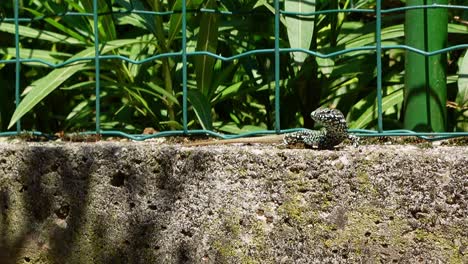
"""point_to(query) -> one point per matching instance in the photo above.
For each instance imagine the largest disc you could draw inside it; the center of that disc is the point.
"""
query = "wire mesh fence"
(104, 51)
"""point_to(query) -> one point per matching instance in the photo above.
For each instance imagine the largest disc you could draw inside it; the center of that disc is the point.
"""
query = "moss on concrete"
(152, 203)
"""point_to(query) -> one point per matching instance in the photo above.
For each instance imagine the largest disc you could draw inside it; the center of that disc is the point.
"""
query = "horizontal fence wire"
(184, 54)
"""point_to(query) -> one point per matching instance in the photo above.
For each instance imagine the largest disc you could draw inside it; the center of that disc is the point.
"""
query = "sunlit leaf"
(202, 107)
(369, 113)
(106, 23)
(207, 40)
(462, 95)
(301, 28)
(45, 55)
(44, 86)
(175, 22)
(39, 34)
(57, 25)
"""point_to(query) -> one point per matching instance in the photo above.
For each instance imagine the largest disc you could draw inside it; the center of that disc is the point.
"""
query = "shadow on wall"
(48, 212)
(44, 204)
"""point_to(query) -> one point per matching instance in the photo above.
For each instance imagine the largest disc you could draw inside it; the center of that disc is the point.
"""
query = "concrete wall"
(158, 203)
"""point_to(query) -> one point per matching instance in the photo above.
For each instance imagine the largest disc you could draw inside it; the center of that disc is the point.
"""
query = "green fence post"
(425, 77)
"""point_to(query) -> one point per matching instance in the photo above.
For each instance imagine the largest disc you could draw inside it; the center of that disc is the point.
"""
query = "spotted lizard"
(334, 131)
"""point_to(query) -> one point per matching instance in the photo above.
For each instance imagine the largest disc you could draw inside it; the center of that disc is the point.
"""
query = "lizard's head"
(329, 118)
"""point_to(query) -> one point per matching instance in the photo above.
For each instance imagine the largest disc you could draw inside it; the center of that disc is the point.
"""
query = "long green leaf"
(164, 95)
(462, 95)
(44, 86)
(175, 22)
(269, 7)
(59, 26)
(46, 55)
(106, 23)
(207, 40)
(358, 40)
(202, 108)
(39, 34)
(145, 21)
(300, 29)
(230, 91)
(370, 113)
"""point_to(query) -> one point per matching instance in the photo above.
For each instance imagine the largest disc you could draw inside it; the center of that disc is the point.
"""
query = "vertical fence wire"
(97, 66)
(378, 58)
(17, 62)
(184, 67)
(427, 87)
(277, 68)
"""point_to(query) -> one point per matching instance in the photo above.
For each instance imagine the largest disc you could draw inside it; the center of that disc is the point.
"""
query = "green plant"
(231, 96)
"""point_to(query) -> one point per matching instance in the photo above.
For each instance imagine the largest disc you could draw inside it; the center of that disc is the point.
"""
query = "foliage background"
(229, 96)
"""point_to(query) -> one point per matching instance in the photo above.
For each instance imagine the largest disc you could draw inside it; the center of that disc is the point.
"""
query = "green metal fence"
(184, 54)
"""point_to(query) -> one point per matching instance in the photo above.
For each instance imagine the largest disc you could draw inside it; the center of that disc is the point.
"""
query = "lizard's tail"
(261, 139)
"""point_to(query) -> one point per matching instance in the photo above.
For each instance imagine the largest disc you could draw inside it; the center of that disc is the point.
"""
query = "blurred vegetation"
(229, 96)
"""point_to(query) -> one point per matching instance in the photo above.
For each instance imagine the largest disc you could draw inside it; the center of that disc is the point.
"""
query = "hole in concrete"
(282, 156)
(183, 254)
(24, 188)
(152, 207)
(118, 180)
(84, 159)
(54, 167)
(295, 170)
(132, 205)
(186, 233)
(367, 234)
(27, 259)
(63, 211)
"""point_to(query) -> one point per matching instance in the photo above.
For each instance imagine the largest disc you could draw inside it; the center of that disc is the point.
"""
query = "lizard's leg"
(309, 138)
(295, 137)
(354, 140)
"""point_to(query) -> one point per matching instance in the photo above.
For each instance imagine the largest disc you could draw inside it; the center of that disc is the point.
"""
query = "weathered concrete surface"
(156, 203)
